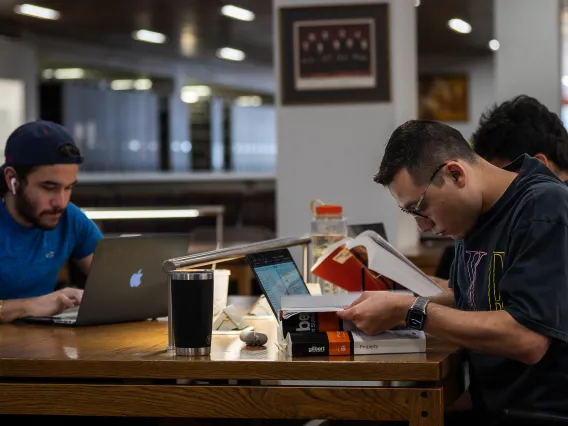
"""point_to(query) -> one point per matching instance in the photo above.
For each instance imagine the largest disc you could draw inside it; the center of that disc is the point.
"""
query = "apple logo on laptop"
(135, 279)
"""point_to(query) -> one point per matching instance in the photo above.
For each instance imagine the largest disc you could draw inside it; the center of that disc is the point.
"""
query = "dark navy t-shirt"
(30, 259)
(515, 260)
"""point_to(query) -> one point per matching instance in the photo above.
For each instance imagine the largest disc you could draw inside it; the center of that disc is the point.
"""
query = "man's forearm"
(14, 308)
(495, 333)
(444, 299)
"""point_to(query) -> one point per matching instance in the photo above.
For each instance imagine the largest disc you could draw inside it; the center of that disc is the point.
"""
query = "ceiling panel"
(195, 28)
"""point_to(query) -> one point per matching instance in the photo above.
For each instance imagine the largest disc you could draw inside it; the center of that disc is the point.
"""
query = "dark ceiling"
(198, 25)
(434, 36)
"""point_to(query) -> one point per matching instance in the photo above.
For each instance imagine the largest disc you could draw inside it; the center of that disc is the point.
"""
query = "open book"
(369, 262)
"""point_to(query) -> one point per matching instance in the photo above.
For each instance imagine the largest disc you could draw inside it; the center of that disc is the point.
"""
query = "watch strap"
(420, 304)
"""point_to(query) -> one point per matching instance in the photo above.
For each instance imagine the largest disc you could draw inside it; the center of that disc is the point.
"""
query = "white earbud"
(13, 183)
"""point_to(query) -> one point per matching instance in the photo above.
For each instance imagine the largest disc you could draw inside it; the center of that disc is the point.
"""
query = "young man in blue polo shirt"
(39, 228)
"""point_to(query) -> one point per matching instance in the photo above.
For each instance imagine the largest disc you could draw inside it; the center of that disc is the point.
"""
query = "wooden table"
(124, 370)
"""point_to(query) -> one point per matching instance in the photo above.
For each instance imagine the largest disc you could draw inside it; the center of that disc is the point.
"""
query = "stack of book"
(309, 325)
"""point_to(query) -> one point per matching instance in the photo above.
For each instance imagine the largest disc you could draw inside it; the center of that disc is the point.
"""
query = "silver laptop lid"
(126, 281)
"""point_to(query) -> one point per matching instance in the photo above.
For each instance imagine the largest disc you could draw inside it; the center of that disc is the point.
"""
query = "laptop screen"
(379, 228)
(277, 274)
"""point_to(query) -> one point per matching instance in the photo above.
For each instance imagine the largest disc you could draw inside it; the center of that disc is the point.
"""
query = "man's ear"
(544, 159)
(457, 173)
(8, 175)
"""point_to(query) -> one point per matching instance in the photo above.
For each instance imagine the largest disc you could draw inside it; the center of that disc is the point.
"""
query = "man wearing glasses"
(521, 125)
(509, 307)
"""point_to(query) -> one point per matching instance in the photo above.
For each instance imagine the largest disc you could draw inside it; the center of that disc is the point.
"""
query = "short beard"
(26, 210)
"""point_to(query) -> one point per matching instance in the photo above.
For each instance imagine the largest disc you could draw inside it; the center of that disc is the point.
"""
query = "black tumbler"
(192, 311)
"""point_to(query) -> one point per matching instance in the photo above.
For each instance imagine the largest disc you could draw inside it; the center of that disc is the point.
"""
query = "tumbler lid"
(194, 275)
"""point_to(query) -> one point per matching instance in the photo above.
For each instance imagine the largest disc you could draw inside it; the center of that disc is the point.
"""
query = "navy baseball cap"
(37, 143)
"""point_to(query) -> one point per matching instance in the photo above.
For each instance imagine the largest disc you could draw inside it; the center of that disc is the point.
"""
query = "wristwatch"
(416, 316)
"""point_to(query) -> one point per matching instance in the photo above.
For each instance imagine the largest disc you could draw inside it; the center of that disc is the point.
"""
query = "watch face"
(415, 320)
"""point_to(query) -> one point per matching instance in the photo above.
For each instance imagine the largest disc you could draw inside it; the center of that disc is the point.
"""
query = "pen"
(363, 279)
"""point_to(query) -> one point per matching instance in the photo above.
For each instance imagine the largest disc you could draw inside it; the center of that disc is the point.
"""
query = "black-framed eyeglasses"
(414, 211)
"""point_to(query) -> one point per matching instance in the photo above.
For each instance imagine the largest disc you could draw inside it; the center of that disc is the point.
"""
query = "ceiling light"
(188, 41)
(198, 90)
(249, 101)
(231, 54)
(494, 45)
(140, 214)
(142, 84)
(565, 80)
(47, 74)
(459, 26)
(37, 11)
(237, 13)
(69, 73)
(416, 3)
(121, 84)
(189, 97)
(149, 36)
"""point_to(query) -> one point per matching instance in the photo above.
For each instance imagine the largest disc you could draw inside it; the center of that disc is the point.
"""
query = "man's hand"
(42, 306)
(55, 303)
(377, 311)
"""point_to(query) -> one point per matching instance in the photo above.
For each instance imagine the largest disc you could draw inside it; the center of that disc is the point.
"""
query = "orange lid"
(329, 209)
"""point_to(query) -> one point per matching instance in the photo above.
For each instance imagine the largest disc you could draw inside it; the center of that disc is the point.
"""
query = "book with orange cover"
(313, 322)
(333, 343)
(369, 262)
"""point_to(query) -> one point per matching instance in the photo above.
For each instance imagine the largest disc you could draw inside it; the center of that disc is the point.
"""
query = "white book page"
(296, 303)
(380, 241)
(386, 260)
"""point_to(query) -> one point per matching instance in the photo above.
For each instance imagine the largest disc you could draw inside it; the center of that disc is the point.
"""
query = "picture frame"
(443, 97)
(334, 54)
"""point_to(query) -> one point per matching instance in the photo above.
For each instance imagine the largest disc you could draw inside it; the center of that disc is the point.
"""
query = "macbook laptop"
(126, 281)
(277, 275)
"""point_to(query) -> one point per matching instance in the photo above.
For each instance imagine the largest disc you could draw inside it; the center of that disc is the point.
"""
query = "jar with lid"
(328, 226)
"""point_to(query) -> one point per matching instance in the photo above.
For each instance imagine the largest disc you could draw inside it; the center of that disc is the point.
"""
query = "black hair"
(518, 126)
(64, 151)
(421, 146)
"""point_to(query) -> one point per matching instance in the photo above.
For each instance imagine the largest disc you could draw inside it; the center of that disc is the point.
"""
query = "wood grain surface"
(137, 350)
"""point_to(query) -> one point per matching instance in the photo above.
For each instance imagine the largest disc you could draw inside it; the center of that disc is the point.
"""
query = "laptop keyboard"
(69, 313)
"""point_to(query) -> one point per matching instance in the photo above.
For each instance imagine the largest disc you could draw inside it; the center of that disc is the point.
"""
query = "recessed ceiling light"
(459, 26)
(149, 36)
(189, 97)
(122, 84)
(142, 84)
(249, 101)
(139, 84)
(201, 91)
(37, 11)
(237, 13)
(494, 45)
(231, 54)
(69, 73)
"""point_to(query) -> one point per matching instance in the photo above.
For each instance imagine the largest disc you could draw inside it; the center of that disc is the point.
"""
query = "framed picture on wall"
(334, 54)
(443, 97)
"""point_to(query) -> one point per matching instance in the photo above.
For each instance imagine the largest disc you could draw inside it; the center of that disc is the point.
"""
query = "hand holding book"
(377, 311)
(310, 325)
